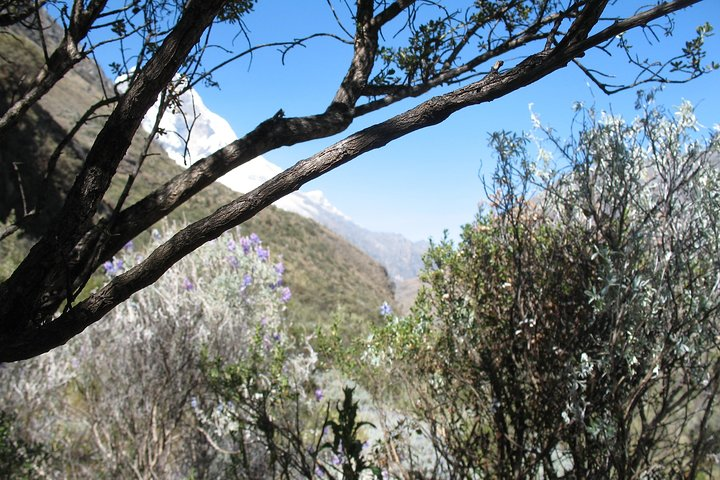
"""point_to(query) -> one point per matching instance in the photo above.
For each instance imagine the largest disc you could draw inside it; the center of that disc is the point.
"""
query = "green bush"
(19, 459)
(572, 332)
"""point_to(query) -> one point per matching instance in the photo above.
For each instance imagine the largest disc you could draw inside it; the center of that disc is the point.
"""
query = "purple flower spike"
(109, 267)
(318, 394)
(385, 310)
(129, 246)
(254, 239)
(188, 285)
(247, 280)
(231, 245)
(263, 253)
(279, 268)
(113, 267)
(245, 244)
(285, 295)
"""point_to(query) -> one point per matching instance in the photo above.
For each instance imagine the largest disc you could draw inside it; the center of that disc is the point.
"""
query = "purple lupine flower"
(319, 471)
(233, 261)
(285, 295)
(129, 246)
(385, 310)
(263, 253)
(109, 268)
(188, 285)
(318, 394)
(113, 267)
(276, 337)
(245, 244)
(254, 239)
(279, 268)
(247, 280)
(231, 245)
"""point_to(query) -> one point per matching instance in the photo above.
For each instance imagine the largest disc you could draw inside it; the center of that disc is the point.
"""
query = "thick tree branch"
(63, 59)
(49, 261)
(269, 135)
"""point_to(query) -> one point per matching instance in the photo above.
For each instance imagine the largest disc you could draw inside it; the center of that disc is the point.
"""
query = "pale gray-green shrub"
(573, 331)
(121, 400)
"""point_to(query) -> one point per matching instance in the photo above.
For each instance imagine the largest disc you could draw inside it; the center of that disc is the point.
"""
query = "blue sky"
(428, 181)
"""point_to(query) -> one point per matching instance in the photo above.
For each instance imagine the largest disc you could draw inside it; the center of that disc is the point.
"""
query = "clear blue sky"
(430, 180)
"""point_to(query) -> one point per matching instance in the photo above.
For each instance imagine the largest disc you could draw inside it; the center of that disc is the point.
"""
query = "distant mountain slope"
(197, 131)
(323, 270)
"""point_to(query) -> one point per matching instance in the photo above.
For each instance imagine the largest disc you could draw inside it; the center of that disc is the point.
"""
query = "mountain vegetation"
(556, 340)
(155, 325)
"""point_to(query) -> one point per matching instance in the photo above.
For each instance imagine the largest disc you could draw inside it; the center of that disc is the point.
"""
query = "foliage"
(128, 405)
(270, 426)
(572, 333)
(18, 458)
(205, 381)
(345, 444)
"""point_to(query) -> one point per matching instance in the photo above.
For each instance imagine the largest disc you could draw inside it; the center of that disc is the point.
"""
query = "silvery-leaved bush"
(574, 326)
(140, 369)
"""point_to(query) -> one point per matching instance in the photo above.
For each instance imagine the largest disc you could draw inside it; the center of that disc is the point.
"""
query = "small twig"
(22, 190)
(215, 445)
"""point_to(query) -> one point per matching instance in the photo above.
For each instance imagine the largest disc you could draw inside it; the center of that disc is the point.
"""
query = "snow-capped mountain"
(196, 132)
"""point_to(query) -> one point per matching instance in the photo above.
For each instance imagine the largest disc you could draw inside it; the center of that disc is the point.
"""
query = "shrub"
(122, 399)
(572, 332)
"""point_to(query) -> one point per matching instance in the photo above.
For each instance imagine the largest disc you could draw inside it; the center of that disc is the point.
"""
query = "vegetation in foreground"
(572, 333)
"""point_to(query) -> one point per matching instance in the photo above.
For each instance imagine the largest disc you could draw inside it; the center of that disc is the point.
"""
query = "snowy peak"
(192, 132)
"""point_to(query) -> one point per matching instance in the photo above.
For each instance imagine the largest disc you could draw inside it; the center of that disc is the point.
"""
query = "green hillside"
(323, 270)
